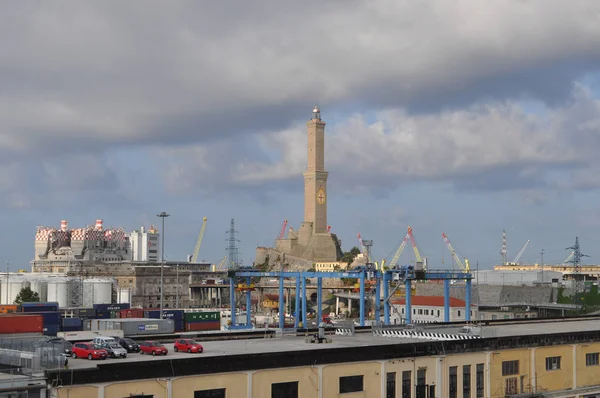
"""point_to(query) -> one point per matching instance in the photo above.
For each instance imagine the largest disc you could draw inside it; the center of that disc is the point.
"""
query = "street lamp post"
(162, 215)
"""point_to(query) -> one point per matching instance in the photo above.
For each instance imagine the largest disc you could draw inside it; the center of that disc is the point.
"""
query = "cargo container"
(179, 325)
(8, 309)
(71, 322)
(87, 324)
(135, 326)
(102, 315)
(132, 313)
(202, 316)
(21, 323)
(51, 330)
(86, 313)
(88, 335)
(39, 307)
(167, 314)
(205, 325)
(83, 313)
(111, 307)
(50, 318)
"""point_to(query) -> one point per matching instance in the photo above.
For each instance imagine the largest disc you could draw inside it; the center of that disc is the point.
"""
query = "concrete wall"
(532, 372)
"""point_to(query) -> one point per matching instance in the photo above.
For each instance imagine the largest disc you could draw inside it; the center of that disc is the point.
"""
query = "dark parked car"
(128, 344)
(56, 343)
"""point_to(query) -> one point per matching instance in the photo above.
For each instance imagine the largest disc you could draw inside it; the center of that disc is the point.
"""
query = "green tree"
(349, 257)
(26, 295)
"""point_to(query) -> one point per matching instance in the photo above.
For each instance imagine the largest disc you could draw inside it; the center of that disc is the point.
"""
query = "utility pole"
(542, 257)
(162, 215)
(7, 274)
(177, 279)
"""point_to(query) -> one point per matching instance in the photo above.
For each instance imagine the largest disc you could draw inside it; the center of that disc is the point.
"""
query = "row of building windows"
(350, 384)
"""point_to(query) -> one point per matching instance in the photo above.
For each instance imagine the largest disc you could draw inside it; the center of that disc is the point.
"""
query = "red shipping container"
(198, 326)
(132, 313)
(21, 323)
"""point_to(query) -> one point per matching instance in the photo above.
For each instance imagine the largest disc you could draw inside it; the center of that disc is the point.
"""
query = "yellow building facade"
(567, 370)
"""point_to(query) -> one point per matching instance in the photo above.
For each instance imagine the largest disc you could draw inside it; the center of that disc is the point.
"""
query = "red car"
(153, 347)
(89, 351)
(188, 345)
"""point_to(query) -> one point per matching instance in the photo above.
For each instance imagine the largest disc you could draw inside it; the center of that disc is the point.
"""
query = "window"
(438, 314)
(553, 363)
(510, 368)
(351, 384)
(458, 312)
(510, 386)
(592, 359)
(284, 390)
(216, 393)
(406, 384)
(467, 381)
(391, 385)
(453, 382)
(479, 380)
(421, 383)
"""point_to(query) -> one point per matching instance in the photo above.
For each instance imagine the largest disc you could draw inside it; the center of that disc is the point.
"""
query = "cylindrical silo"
(40, 286)
(58, 291)
(124, 295)
(97, 291)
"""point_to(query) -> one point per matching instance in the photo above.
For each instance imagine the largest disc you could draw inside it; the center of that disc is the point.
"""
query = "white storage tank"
(40, 286)
(124, 295)
(14, 286)
(97, 291)
(58, 291)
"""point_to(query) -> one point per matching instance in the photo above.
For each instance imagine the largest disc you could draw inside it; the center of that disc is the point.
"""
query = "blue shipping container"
(153, 314)
(167, 314)
(51, 330)
(179, 325)
(50, 318)
(70, 322)
(86, 313)
(111, 307)
(53, 304)
(44, 307)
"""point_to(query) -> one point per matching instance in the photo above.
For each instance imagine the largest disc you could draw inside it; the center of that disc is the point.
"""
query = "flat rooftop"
(292, 343)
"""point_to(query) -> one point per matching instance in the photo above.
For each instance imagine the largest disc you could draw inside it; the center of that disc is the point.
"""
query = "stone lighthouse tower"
(312, 241)
(315, 176)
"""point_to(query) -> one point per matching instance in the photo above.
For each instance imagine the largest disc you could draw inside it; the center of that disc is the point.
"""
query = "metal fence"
(28, 355)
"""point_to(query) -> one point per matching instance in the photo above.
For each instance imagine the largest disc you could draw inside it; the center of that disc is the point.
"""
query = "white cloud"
(148, 72)
(491, 146)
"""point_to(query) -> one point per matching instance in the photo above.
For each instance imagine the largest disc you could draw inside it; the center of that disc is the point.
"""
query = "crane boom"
(361, 245)
(199, 241)
(464, 267)
(282, 232)
(394, 261)
(415, 249)
(521, 252)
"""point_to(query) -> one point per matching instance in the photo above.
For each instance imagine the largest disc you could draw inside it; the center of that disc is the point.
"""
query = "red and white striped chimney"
(99, 224)
(64, 224)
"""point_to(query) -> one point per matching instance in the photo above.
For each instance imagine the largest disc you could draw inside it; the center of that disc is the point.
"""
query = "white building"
(430, 309)
(517, 277)
(145, 245)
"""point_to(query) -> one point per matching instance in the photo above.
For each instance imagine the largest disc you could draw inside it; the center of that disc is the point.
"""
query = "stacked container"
(109, 311)
(39, 307)
(198, 321)
(135, 326)
(72, 324)
(8, 309)
(83, 313)
(21, 324)
(132, 313)
(176, 315)
(51, 322)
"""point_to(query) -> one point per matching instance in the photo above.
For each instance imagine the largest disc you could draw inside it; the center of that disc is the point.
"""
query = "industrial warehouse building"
(530, 357)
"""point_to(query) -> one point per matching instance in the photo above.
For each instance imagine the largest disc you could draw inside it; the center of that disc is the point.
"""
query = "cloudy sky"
(464, 117)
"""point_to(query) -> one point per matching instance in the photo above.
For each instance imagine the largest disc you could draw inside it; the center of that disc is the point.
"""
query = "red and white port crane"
(282, 232)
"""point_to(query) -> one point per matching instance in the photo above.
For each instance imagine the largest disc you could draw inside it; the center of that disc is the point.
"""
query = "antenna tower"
(503, 251)
(578, 288)
(368, 244)
(75, 284)
(232, 249)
